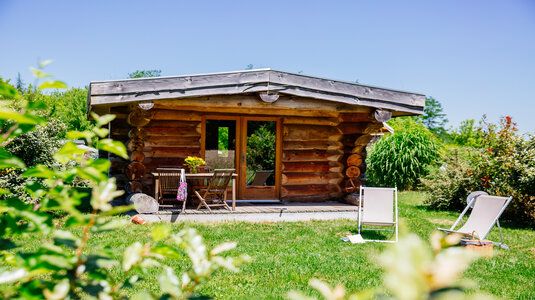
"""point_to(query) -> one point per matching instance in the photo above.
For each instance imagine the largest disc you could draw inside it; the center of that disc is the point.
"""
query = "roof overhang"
(121, 92)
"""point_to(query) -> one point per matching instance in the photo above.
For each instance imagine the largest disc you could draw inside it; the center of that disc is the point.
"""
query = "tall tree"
(19, 83)
(145, 73)
(434, 117)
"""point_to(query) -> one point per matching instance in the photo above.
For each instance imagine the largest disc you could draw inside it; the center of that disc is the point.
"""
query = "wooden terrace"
(259, 212)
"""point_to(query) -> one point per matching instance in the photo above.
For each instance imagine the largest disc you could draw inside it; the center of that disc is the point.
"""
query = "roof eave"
(253, 81)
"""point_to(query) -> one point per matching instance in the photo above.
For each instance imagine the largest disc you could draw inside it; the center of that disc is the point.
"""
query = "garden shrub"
(33, 148)
(452, 182)
(402, 158)
(503, 165)
(38, 146)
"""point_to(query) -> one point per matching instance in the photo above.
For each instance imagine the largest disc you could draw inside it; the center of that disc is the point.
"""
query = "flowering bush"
(503, 164)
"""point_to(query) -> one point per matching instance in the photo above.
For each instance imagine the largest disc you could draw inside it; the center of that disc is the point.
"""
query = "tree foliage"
(434, 117)
(467, 134)
(145, 73)
(69, 107)
(401, 159)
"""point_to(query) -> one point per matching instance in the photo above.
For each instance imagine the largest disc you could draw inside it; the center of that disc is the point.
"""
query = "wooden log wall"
(320, 155)
(166, 139)
(311, 154)
(170, 137)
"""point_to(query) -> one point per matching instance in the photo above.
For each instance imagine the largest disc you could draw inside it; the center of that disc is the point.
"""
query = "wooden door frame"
(204, 118)
(241, 144)
(242, 180)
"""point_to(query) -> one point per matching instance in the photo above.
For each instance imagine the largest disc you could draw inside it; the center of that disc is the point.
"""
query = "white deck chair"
(485, 213)
(378, 207)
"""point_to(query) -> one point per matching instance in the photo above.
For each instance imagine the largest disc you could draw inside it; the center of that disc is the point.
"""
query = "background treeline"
(448, 164)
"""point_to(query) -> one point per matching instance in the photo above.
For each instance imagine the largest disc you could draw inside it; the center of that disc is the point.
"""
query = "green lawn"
(286, 255)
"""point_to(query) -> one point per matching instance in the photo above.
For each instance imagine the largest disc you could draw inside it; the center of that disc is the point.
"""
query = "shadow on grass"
(376, 234)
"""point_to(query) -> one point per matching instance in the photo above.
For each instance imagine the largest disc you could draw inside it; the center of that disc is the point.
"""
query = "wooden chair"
(200, 183)
(261, 177)
(215, 194)
(169, 180)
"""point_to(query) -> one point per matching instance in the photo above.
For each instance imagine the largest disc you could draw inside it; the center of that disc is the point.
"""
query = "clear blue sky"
(476, 57)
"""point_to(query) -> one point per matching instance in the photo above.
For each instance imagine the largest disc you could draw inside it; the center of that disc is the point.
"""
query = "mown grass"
(286, 255)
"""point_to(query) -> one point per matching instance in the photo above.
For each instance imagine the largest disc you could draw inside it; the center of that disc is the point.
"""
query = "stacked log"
(135, 170)
(356, 129)
(311, 168)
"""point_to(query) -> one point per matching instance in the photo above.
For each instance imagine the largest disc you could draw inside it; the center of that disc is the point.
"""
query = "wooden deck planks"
(251, 208)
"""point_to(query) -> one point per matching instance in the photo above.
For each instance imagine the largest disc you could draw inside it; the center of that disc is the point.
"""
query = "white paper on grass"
(356, 239)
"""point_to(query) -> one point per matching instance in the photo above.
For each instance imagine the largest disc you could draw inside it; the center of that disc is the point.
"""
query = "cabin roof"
(120, 92)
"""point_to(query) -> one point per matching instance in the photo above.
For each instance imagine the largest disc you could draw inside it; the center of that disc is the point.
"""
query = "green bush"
(448, 186)
(503, 165)
(33, 148)
(38, 146)
(402, 158)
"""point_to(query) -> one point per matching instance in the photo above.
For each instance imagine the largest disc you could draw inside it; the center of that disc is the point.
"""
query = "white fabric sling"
(377, 207)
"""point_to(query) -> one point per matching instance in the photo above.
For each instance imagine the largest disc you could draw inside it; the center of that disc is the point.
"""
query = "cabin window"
(261, 141)
(220, 144)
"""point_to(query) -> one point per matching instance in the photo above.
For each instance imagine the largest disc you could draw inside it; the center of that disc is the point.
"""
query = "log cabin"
(290, 137)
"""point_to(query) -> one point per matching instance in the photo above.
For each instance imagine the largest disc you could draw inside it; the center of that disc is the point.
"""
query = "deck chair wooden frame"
(378, 207)
(215, 194)
(168, 182)
(260, 177)
(485, 213)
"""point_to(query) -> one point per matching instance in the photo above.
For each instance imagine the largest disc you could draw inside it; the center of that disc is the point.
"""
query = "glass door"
(259, 161)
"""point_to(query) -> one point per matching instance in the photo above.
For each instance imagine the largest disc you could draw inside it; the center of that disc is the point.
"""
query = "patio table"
(199, 176)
